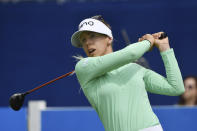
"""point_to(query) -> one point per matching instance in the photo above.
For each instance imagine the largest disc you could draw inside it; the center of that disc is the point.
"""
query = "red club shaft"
(60, 77)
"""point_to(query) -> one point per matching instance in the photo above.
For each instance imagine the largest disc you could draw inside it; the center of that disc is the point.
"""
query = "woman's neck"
(109, 50)
(190, 102)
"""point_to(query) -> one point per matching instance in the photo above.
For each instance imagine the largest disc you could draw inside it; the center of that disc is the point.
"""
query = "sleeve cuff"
(167, 51)
(148, 42)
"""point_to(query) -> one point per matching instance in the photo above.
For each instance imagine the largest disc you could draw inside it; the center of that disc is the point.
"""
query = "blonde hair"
(78, 57)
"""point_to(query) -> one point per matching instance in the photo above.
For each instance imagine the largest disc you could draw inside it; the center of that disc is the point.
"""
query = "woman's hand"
(162, 44)
(150, 38)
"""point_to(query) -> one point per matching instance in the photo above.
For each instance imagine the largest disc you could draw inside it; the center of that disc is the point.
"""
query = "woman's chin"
(93, 55)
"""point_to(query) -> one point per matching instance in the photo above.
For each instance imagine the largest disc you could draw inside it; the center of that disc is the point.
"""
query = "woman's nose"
(89, 42)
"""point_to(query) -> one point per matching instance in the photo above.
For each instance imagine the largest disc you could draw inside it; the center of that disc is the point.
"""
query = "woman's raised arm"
(155, 83)
(92, 67)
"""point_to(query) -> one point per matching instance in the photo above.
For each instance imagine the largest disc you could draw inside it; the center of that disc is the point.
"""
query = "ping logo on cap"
(91, 23)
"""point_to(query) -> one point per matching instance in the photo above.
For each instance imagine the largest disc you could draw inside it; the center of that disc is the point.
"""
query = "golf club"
(16, 100)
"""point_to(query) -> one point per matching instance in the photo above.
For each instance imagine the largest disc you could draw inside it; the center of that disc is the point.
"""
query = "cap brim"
(75, 39)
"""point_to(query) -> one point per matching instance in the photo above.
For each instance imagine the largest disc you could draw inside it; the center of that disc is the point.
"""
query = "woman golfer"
(115, 87)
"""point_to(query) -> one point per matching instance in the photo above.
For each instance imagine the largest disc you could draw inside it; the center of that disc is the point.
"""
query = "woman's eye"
(190, 87)
(92, 35)
(83, 40)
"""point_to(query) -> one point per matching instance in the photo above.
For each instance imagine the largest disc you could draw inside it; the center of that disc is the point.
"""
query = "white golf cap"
(90, 25)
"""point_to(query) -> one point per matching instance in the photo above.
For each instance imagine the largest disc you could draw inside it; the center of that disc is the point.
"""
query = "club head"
(16, 101)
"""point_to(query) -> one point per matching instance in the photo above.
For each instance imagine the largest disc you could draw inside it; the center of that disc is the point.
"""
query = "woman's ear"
(110, 40)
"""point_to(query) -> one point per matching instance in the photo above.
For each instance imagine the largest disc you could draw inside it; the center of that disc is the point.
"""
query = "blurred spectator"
(189, 97)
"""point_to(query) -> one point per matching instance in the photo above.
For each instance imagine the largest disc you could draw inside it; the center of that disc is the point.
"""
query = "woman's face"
(95, 44)
(190, 89)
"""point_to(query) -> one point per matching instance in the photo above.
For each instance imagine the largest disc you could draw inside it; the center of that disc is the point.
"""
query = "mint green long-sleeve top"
(117, 89)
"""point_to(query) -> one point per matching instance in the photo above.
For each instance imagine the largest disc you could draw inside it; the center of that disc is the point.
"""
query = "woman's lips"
(91, 51)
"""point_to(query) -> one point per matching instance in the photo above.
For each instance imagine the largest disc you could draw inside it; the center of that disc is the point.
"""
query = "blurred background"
(35, 42)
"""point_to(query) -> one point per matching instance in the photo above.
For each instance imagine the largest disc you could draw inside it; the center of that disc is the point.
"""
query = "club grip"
(163, 35)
